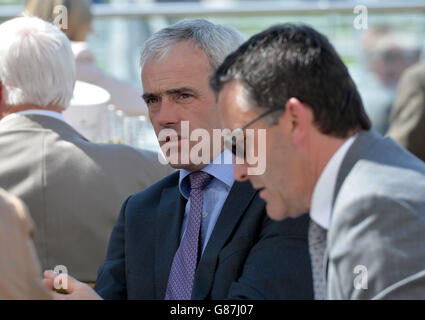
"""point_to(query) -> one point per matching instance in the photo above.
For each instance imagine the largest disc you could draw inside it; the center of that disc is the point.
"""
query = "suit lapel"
(362, 145)
(359, 148)
(44, 122)
(239, 198)
(168, 228)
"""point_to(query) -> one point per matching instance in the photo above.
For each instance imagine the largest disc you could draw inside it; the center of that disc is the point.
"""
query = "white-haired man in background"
(72, 187)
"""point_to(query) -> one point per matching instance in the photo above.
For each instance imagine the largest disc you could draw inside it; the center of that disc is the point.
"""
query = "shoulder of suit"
(170, 181)
(386, 170)
(128, 152)
(415, 72)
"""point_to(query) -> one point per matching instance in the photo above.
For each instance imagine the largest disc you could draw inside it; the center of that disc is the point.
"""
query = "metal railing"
(237, 8)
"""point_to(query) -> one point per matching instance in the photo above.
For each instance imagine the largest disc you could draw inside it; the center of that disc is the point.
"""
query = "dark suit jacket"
(247, 257)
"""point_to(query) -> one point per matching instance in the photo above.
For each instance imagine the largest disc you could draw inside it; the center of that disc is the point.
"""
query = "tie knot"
(199, 180)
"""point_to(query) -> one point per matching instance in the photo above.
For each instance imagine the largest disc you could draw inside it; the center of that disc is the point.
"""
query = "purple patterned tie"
(180, 281)
(317, 247)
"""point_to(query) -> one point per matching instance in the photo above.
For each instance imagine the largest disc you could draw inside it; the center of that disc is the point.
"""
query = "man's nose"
(168, 113)
(240, 171)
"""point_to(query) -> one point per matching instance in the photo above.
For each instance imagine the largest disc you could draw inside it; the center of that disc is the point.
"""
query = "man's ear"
(300, 117)
(1, 91)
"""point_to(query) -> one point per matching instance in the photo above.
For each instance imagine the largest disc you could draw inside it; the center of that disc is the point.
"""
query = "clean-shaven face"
(176, 88)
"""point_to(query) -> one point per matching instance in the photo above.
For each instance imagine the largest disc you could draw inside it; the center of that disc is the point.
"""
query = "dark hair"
(291, 60)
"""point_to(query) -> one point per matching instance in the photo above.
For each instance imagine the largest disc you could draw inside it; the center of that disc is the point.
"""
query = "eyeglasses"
(231, 143)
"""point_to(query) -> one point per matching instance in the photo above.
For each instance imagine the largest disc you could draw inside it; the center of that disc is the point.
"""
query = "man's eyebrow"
(180, 90)
(148, 95)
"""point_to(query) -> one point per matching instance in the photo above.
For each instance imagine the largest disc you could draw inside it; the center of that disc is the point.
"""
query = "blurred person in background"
(123, 96)
(19, 266)
(407, 125)
(388, 54)
(72, 187)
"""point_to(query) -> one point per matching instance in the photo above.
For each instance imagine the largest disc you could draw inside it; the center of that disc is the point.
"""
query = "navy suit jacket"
(248, 256)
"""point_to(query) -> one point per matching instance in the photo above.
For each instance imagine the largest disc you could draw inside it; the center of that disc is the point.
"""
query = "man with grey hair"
(72, 187)
(197, 234)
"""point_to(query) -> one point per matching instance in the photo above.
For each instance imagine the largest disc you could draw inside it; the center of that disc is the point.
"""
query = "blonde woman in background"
(123, 96)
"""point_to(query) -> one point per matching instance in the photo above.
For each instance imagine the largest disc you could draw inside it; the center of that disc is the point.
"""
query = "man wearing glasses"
(365, 194)
(197, 234)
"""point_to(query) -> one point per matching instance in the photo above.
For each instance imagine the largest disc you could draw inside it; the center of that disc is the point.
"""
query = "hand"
(76, 290)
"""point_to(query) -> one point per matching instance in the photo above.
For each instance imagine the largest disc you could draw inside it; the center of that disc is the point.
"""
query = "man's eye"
(152, 100)
(185, 96)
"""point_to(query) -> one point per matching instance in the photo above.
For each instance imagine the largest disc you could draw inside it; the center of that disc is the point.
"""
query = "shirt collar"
(220, 169)
(321, 201)
(47, 113)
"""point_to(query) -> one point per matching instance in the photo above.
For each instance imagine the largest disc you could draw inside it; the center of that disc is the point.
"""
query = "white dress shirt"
(47, 113)
(321, 201)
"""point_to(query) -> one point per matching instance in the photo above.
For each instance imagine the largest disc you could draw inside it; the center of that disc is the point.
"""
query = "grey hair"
(37, 65)
(216, 41)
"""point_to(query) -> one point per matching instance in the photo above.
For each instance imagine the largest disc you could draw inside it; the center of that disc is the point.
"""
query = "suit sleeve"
(278, 265)
(408, 115)
(111, 280)
(376, 251)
